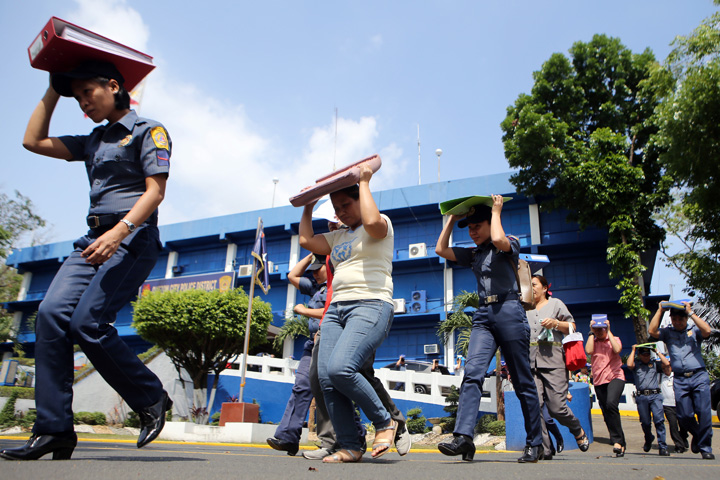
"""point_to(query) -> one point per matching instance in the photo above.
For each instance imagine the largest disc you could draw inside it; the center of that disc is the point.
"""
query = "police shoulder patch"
(160, 138)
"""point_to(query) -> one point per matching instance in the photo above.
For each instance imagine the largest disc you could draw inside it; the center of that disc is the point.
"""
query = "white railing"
(407, 385)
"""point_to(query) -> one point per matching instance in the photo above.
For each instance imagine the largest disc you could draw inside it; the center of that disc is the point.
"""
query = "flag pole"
(249, 317)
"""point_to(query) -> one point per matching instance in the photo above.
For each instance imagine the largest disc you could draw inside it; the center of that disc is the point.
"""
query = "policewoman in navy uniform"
(500, 321)
(287, 435)
(127, 161)
(692, 382)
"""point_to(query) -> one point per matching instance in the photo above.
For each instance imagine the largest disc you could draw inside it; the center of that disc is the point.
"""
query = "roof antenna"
(335, 149)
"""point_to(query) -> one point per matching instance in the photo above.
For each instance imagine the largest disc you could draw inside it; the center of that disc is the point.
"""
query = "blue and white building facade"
(424, 283)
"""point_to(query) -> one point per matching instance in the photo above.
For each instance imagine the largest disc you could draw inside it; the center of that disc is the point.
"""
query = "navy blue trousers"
(290, 427)
(692, 397)
(648, 405)
(80, 306)
(505, 325)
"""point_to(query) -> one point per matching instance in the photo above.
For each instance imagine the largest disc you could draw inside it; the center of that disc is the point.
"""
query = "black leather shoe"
(664, 452)
(459, 445)
(290, 448)
(61, 445)
(560, 445)
(152, 420)
(547, 457)
(694, 446)
(619, 452)
(680, 449)
(648, 443)
(583, 443)
(532, 454)
(708, 456)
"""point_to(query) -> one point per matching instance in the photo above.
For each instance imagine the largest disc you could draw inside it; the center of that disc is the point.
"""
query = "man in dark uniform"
(500, 321)
(287, 435)
(648, 396)
(692, 382)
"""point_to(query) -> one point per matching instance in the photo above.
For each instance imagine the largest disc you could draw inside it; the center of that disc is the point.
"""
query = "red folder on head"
(61, 46)
(334, 181)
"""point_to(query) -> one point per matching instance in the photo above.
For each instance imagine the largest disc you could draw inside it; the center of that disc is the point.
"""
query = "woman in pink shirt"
(608, 377)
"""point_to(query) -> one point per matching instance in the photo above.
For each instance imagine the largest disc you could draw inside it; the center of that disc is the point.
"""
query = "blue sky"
(248, 90)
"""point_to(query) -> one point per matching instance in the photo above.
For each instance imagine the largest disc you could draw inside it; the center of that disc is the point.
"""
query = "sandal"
(382, 445)
(582, 442)
(344, 456)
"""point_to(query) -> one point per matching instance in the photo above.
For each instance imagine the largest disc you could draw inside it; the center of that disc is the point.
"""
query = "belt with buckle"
(104, 219)
(690, 373)
(499, 298)
(651, 391)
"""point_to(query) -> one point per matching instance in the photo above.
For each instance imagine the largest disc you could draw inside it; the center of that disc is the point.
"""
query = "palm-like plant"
(459, 321)
(295, 326)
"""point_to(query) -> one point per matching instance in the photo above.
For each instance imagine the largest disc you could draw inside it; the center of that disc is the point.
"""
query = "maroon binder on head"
(334, 181)
(61, 46)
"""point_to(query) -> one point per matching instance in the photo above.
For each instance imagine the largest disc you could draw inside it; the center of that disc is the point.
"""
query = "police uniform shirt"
(118, 158)
(318, 294)
(647, 375)
(684, 348)
(494, 273)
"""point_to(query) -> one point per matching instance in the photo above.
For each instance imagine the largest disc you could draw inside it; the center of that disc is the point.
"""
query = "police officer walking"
(500, 321)
(692, 382)
(127, 162)
(287, 435)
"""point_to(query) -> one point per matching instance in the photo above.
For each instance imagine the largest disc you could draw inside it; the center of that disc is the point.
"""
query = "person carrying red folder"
(127, 161)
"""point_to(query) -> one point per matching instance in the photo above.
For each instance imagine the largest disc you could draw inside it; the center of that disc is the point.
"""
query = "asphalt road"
(110, 459)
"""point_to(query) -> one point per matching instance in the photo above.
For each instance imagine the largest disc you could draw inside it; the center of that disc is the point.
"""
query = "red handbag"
(575, 357)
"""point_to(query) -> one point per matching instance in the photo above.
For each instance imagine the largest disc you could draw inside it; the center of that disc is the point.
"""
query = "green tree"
(200, 331)
(16, 220)
(689, 136)
(581, 142)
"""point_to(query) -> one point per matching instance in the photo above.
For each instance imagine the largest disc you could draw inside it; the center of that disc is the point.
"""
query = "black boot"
(532, 454)
(61, 445)
(459, 445)
(152, 420)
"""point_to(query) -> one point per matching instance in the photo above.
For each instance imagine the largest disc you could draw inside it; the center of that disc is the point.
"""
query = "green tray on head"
(461, 206)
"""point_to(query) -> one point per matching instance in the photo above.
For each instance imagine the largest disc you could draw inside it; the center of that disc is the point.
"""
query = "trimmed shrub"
(484, 422)
(496, 428)
(416, 423)
(90, 418)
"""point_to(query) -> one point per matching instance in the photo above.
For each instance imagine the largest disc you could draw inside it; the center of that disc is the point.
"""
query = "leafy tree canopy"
(17, 218)
(198, 330)
(689, 136)
(581, 142)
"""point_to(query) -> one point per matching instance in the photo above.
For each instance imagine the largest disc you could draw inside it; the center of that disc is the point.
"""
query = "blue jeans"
(351, 332)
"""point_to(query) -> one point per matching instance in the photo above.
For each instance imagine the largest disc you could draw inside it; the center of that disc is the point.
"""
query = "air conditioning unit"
(417, 250)
(271, 267)
(177, 269)
(399, 305)
(430, 349)
(245, 270)
(418, 301)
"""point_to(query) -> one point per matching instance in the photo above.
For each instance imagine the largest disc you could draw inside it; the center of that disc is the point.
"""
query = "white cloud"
(220, 163)
(113, 19)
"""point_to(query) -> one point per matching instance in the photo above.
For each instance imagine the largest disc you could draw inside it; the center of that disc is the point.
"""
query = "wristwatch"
(131, 226)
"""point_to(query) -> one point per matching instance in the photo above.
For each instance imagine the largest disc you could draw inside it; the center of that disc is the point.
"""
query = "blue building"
(424, 283)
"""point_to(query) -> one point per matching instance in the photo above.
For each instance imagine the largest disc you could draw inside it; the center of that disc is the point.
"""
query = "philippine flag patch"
(163, 158)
